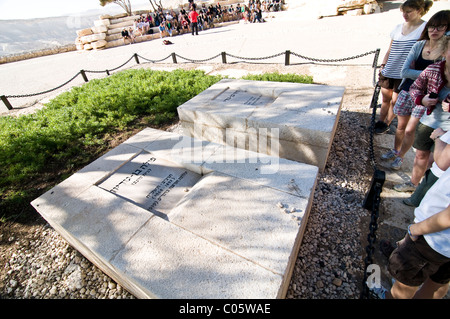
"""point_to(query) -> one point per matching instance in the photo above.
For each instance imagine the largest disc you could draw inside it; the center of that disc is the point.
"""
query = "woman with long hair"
(426, 51)
(403, 37)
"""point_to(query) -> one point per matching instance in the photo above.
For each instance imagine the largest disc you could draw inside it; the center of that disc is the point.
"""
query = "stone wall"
(37, 53)
(107, 31)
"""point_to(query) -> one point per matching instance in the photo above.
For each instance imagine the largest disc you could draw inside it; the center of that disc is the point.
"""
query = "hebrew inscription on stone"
(152, 183)
(239, 97)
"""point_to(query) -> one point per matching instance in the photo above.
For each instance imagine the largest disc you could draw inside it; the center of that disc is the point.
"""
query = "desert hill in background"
(19, 36)
(25, 35)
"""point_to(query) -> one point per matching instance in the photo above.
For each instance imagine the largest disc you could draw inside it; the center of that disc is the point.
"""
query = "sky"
(28, 9)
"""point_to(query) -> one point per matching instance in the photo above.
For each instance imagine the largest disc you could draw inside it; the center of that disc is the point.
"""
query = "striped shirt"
(401, 45)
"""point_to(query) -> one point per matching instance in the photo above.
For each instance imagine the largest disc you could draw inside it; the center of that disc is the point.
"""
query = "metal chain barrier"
(198, 61)
(256, 59)
(154, 61)
(43, 92)
(372, 200)
(107, 71)
(5, 98)
(334, 60)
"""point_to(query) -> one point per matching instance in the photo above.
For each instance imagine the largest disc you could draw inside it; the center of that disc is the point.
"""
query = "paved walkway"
(298, 30)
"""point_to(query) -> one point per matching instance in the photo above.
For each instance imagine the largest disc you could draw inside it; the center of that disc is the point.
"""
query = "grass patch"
(277, 77)
(39, 150)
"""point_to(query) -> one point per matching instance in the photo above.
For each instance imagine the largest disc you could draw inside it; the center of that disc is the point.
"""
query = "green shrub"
(71, 129)
(80, 118)
(277, 77)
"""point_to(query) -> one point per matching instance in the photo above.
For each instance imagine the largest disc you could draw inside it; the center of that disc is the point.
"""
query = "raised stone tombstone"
(170, 216)
(302, 118)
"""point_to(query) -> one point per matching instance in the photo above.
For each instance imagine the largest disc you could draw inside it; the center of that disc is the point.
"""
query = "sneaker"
(397, 163)
(408, 202)
(405, 187)
(381, 127)
(378, 292)
(389, 155)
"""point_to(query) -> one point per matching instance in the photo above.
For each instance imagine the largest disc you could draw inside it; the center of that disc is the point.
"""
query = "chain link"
(377, 188)
(255, 59)
(373, 105)
(198, 61)
(193, 61)
(154, 61)
(43, 92)
(373, 226)
(371, 238)
(334, 60)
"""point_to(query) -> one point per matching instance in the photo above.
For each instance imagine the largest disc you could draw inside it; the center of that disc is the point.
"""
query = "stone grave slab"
(171, 216)
(300, 118)
(146, 180)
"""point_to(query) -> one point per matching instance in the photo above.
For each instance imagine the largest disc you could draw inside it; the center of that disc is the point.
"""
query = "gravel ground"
(37, 263)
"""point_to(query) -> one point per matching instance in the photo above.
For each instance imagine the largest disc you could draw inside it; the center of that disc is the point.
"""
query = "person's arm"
(418, 91)
(386, 56)
(441, 151)
(408, 70)
(433, 224)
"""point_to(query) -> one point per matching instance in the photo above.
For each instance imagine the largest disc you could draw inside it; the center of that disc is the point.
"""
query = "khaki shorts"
(412, 262)
(422, 140)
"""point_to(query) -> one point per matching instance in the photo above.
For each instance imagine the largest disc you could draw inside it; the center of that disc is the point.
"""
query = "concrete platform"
(168, 216)
(300, 119)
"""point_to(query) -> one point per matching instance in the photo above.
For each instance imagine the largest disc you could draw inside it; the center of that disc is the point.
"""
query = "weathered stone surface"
(99, 29)
(98, 44)
(92, 38)
(170, 216)
(84, 32)
(297, 120)
(104, 22)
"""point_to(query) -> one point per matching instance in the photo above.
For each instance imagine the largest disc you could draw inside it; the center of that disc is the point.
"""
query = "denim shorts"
(413, 262)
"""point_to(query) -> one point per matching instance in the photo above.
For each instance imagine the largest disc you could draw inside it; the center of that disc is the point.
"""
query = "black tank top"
(421, 64)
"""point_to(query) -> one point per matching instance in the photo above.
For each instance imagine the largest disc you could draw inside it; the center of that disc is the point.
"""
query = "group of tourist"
(196, 19)
(415, 88)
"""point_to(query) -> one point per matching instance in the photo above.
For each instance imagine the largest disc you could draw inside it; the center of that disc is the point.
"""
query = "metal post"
(136, 58)
(375, 58)
(375, 66)
(224, 58)
(83, 74)
(287, 57)
(174, 57)
(5, 100)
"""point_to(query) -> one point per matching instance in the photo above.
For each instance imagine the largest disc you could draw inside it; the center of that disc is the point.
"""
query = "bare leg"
(420, 166)
(431, 290)
(386, 97)
(410, 133)
(391, 115)
(400, 133)
(401, 291)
